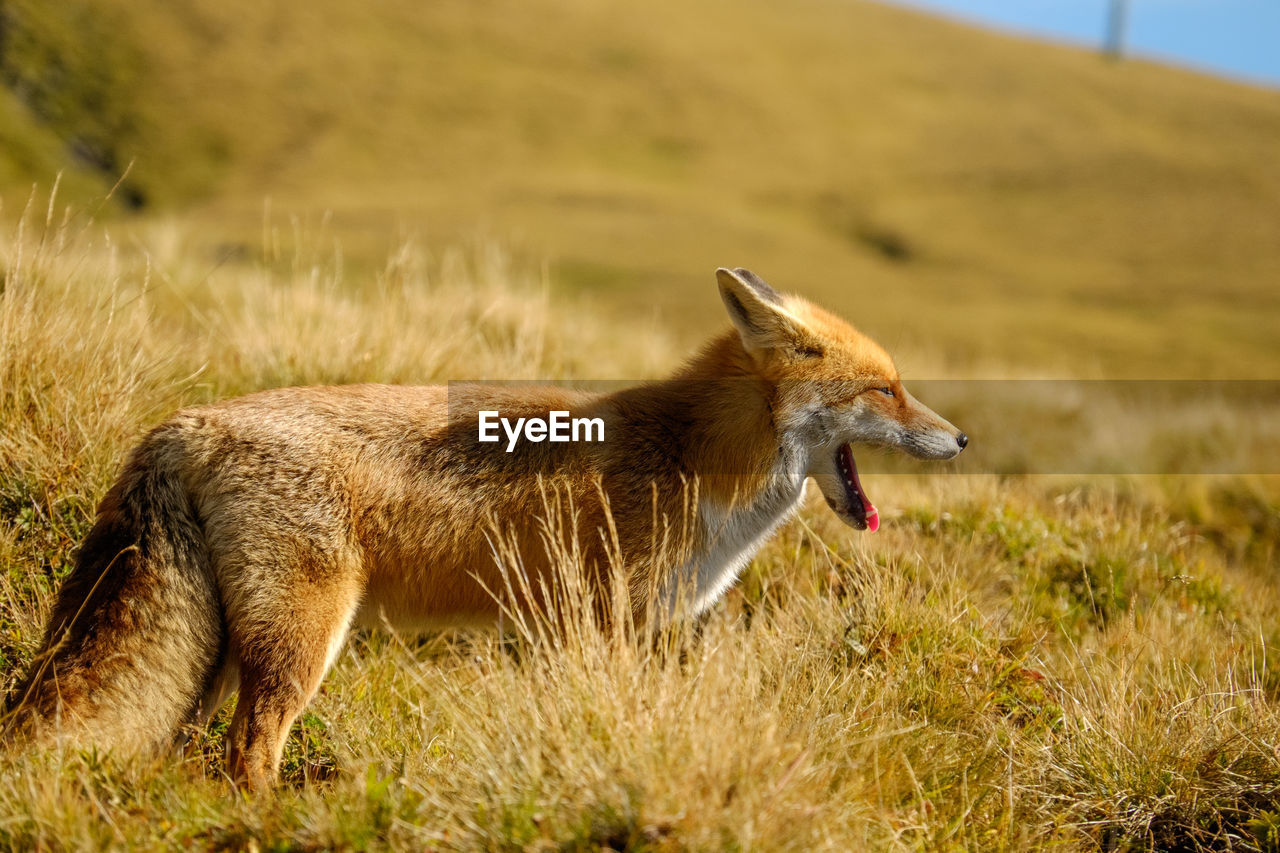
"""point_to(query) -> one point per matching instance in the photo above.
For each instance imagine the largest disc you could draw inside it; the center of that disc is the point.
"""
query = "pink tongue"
(873, 516)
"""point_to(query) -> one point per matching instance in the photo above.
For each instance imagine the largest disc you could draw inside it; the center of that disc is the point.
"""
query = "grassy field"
(409, 192)
(1011, 663)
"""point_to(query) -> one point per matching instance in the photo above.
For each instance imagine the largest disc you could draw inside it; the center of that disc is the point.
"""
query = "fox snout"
(898, 421)
(930, 436)
(935, 444)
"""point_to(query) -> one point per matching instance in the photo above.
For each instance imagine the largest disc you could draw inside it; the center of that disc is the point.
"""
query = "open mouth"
(863, 512)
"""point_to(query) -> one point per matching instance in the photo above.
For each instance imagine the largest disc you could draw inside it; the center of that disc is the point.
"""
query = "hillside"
(982, 200)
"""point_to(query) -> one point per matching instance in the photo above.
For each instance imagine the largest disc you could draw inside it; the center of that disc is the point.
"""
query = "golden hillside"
(990, 200)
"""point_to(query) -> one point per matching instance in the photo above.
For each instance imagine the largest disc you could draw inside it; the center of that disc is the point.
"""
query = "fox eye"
(887, 391)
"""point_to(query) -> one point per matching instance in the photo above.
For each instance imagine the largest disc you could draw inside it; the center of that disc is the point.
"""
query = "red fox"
(244, 539)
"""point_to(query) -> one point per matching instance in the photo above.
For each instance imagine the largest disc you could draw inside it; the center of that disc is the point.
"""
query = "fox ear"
(756, 310)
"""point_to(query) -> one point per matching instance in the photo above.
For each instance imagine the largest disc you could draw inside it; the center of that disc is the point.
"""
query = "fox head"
(834, 388)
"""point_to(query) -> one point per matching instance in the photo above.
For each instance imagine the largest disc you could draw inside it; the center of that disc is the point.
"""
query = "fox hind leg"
(283, 653)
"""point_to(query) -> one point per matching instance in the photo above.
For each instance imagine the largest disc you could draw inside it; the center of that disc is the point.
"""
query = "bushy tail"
(136, 631)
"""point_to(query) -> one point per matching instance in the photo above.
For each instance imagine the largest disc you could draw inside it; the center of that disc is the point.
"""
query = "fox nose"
(962, 440)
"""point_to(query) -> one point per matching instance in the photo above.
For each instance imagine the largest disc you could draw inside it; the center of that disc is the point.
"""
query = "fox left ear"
(756, 310)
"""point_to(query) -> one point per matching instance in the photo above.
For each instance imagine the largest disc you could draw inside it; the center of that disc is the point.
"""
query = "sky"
(1235, 38)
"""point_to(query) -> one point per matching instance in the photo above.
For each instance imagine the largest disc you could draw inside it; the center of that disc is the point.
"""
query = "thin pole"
(1117, 22)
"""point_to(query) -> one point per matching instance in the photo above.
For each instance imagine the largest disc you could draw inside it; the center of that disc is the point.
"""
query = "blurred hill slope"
(981, 198)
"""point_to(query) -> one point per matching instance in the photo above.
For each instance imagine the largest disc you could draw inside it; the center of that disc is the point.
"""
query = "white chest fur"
(731, 537)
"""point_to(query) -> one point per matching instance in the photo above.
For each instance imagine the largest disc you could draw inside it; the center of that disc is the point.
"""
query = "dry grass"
(1009, 664)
